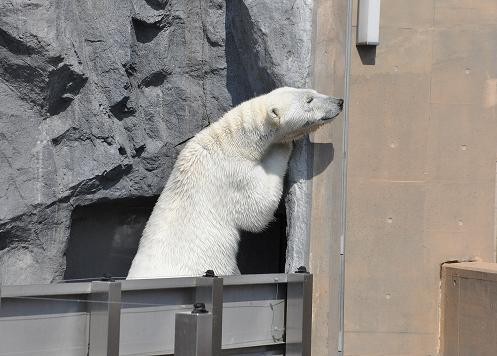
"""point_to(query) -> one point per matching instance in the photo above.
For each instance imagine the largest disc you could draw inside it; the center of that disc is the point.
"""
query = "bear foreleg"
(266, 187)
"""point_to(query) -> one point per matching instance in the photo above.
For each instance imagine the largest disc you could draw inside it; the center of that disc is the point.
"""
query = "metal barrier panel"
(254, 315)
(253, 312)
(46, 325)
(82, 319)
(150, 306)
(148, 313)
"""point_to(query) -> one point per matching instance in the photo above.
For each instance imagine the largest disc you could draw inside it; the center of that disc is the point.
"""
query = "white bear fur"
(229, 177)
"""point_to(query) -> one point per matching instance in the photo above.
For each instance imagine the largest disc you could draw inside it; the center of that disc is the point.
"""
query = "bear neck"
(247, 132)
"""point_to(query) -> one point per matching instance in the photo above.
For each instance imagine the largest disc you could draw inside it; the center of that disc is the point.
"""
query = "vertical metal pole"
(210, 291)
(193, 334)
(105, 318)
(299, 314)
(343, 183)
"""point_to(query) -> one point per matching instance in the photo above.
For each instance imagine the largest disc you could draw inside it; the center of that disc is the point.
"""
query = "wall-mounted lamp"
(368, 23)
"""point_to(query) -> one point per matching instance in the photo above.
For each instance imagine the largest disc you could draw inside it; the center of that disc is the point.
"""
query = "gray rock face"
(97, 99)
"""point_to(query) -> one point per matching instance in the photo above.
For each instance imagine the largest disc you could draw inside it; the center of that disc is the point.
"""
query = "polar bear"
(227, 178)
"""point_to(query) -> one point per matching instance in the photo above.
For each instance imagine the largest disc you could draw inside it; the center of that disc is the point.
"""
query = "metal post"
(105, 318)
(193, 333)
(210, 292)
(299, 313)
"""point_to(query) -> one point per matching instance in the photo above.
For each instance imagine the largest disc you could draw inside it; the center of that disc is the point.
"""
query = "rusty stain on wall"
(490, 96)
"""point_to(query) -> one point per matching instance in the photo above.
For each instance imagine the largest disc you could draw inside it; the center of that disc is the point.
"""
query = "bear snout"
(333, 107)
(337, 102)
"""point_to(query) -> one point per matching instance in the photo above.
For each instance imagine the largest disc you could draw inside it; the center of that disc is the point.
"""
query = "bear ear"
(274, 115)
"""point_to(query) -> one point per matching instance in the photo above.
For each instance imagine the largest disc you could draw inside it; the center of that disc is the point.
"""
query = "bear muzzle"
(335, 108)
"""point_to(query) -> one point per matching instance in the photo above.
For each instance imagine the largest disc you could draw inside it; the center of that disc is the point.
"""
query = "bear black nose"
(340, 103)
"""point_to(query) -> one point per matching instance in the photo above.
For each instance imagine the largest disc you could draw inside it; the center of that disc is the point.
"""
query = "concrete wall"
(330, 23)
(421, 170)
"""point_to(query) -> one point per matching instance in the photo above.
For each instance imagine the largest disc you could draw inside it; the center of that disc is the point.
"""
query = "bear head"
(296, 112)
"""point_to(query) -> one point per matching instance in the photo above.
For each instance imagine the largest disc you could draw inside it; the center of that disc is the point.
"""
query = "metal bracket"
(193, 334)
(210, 292)
(105, 318)
(299, 314)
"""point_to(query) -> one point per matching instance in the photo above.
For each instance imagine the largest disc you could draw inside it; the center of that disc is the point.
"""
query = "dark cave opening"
(104, 238)
(264, 252)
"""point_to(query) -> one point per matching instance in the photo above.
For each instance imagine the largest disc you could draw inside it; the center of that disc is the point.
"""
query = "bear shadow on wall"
(326, 153)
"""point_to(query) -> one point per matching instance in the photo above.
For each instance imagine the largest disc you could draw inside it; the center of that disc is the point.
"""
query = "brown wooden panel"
(469, 309)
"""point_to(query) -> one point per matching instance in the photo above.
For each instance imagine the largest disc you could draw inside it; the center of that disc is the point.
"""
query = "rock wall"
(98, 97)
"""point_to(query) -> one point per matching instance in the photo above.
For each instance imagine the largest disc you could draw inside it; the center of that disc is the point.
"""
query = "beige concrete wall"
(421, 177)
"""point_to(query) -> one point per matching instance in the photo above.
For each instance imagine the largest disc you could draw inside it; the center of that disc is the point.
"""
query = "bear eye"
(309, 99)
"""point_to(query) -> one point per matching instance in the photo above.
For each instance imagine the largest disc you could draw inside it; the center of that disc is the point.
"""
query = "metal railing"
(268, 314)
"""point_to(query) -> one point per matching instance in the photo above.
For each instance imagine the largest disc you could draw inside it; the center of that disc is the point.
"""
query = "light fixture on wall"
(368, 23)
